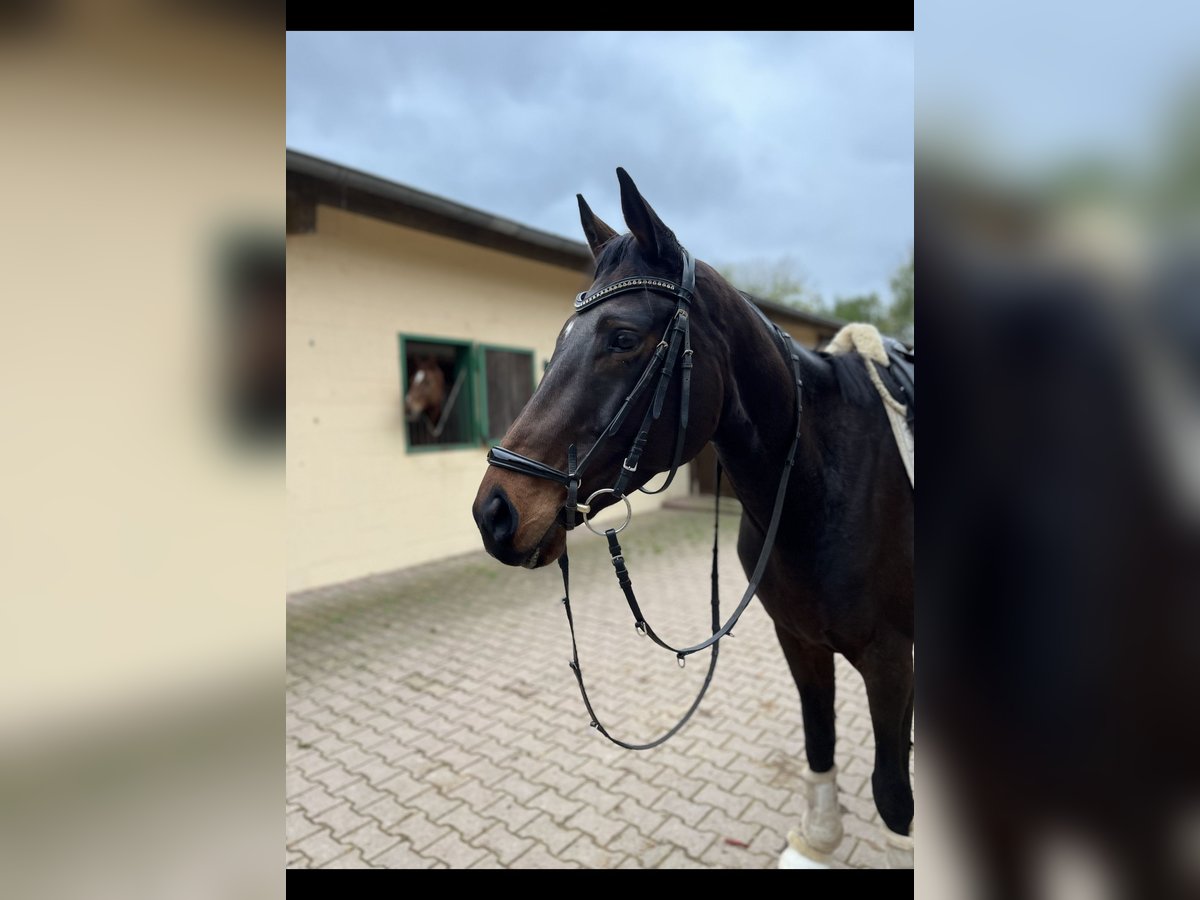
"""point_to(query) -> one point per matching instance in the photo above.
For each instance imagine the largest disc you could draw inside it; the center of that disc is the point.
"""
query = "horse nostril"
(500, 518)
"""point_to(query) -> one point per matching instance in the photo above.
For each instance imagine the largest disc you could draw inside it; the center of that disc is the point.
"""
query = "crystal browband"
(585, 299)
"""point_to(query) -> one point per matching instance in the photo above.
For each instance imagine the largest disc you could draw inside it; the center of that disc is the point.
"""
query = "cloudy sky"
(750, 146)
(1030, 83)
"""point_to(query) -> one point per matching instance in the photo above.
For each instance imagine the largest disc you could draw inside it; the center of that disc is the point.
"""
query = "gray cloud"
(750, 146)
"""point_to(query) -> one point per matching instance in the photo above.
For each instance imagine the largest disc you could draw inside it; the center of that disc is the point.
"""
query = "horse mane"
(850, 372)
(859, 342)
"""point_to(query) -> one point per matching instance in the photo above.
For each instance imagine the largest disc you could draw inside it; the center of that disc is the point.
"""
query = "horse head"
(426, 391)
(602, 353)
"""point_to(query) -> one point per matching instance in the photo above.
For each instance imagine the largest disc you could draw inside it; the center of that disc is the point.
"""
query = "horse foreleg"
(887, 669)
(821, 828)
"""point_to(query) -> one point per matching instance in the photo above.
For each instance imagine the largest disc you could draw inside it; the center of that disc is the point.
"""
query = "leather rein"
(673, 352)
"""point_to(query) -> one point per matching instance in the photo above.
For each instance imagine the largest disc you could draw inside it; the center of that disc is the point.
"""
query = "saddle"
(899, 377)
(897, 374)
(891, 367)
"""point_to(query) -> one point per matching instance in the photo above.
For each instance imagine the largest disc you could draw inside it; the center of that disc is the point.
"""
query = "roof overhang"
(312, 182)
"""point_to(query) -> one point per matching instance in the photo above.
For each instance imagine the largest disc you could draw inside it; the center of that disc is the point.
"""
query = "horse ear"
(656, 239)
(596, 229)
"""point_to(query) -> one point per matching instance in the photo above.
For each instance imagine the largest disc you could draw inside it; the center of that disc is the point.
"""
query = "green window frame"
(492, 431)
(473, 395)
(463, 356)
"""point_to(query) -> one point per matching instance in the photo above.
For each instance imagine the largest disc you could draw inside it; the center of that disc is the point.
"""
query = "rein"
(673, 351)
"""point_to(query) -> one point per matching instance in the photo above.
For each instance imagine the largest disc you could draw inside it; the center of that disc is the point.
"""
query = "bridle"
(678, 334)
(673, 351)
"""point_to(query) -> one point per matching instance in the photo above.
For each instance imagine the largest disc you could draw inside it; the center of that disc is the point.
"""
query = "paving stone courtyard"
(432, 719)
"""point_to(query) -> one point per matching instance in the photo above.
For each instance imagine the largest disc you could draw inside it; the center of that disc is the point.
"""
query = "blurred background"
(141, 651)
(1058, 220)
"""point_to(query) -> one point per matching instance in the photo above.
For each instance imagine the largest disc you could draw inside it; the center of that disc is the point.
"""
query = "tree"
(782, 280)
(901, 314)
(864, 308)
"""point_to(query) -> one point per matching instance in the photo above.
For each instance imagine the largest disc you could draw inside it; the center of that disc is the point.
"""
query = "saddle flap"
(900, 376)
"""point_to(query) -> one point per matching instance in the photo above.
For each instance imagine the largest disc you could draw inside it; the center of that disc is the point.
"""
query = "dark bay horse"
(840, 576)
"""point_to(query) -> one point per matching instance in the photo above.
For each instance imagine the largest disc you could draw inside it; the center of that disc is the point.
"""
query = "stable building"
(386, 285)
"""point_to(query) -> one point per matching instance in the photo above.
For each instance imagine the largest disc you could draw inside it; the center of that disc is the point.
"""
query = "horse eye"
(624, 340)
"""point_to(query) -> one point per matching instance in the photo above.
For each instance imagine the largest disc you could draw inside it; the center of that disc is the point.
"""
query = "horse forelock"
(614, 254)
(623, 256)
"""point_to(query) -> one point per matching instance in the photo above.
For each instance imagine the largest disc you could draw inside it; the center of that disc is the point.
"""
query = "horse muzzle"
(506, 532)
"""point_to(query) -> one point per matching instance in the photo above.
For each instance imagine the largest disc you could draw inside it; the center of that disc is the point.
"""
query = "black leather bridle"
(664, 359)
(673, 351)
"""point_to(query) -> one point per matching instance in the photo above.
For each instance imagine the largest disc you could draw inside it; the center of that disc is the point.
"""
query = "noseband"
(673, 351)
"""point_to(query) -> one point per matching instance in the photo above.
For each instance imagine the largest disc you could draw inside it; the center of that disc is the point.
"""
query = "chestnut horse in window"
(426, 392)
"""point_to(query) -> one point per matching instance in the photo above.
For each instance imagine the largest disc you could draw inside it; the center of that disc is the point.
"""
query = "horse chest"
(818, 595)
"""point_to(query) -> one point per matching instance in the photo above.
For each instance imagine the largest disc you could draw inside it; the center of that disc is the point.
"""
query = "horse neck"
(758, 419)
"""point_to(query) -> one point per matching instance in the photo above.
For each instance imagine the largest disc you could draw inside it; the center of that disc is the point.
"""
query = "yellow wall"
(807, 334)
(358, 502)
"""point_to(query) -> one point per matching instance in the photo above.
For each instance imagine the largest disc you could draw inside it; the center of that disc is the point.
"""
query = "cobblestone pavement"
(432, 720)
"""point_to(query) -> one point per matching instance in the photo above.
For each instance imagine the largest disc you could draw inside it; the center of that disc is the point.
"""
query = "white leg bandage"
(799, 855)
(822, 824)
(821, 830)
(899, 850)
